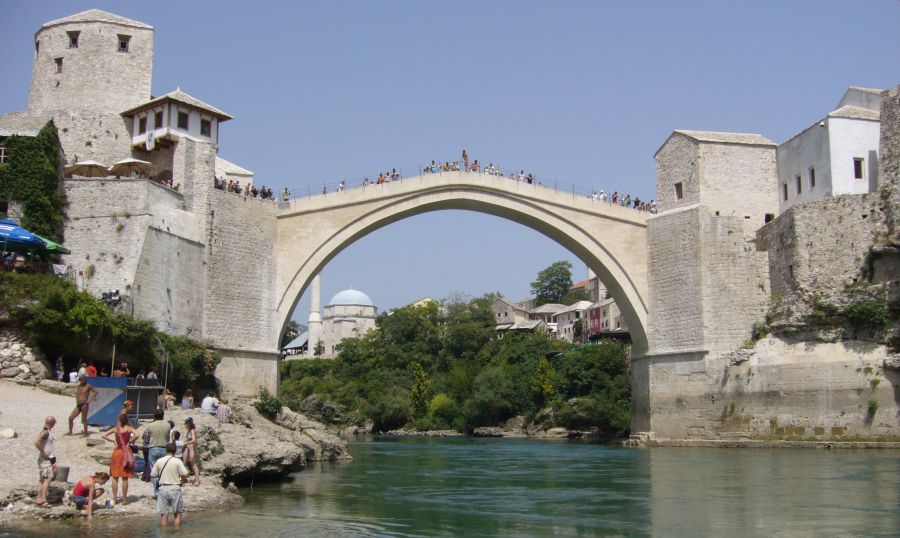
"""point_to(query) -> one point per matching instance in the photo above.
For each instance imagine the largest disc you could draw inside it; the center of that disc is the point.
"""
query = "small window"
(37, 47)
(2, 154)
(812, 177)
(73, 39)
(799, 184)
(858, 168)
(142, 125)
(784, 189)
(791, 271)
(157, 120)
(205, 128)
(58, 64)
(769, 217)
(124, 41)
(679, 192)
(183, 120)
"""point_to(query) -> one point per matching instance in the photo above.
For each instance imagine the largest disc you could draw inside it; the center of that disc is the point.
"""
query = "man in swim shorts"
(83, 397)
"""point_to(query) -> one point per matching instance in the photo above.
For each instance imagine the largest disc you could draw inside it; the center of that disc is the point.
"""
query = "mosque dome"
(351, 297)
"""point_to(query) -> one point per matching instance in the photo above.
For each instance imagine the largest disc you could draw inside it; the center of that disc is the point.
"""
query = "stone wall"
(780, 389)
(677, 161)
(889, 149)
(735, 282)
(20, 360)
(87, 135)
(821, 247)
(106, 222)
(169, 283)
(708, 284)
(739, 181)
(244, 372)
(241, 288)
(675, 282)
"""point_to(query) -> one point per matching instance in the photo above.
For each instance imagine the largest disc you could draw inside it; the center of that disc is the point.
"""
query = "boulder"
(254, 448)
(8, 433)
(892, 362)
(317, 406)
(553, 433)
(487, 431)
(320, 444)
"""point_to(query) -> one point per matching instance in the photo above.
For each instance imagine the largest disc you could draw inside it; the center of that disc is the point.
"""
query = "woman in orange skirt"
(121, 465)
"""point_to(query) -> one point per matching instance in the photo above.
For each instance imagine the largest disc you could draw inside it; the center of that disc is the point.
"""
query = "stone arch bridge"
(612, 240)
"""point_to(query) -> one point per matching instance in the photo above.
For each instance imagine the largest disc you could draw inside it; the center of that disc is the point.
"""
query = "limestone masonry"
(750, 234)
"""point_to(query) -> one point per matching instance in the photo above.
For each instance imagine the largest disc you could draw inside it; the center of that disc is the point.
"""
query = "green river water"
(511, 487)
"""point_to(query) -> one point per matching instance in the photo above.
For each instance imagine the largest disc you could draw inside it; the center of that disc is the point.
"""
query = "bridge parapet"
(476, 180)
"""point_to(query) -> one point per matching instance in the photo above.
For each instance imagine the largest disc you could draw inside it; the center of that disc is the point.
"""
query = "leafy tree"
(419, 394)
(573, 296)
(292, 331)
(552, 283)
(578, 330)
(492, 398)
(544, 379)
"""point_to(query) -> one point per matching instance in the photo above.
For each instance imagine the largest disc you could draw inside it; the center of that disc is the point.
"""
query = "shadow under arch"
(564, 224)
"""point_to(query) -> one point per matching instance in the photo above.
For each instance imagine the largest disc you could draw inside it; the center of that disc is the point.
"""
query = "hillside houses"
(582, 321)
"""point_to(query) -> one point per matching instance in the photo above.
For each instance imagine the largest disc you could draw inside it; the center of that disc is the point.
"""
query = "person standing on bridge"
(465, 160)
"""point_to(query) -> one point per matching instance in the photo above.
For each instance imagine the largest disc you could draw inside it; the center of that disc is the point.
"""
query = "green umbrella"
(53, 246)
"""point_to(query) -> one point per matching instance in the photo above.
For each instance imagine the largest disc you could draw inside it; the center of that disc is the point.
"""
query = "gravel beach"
(23, 409)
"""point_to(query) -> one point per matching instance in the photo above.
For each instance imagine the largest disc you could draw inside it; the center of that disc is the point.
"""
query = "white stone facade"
(349, 314)
(834, 156)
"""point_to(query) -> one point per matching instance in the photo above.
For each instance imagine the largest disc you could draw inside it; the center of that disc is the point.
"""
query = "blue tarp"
(110, 399)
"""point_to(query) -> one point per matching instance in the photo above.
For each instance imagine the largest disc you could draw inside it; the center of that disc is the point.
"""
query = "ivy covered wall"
(31, 176)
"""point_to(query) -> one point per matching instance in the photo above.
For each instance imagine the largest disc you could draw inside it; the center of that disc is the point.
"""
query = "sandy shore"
(23, 409)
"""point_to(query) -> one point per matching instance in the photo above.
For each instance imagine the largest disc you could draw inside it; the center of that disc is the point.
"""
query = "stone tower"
(88, 68)
(315, 316)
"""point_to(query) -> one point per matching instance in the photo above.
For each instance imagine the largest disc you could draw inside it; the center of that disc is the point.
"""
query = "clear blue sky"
(584, 92)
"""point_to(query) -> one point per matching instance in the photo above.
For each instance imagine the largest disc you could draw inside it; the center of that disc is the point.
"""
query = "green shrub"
(598, 411)
(759, 331)
(868, 315)
(388, 411)
(492, 400)
(267, 404)
(873, 408)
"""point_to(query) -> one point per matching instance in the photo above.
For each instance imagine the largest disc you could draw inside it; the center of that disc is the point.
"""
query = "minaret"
(315, 318)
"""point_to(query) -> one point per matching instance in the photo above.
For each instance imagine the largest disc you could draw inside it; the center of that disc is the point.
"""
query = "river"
(399, 487)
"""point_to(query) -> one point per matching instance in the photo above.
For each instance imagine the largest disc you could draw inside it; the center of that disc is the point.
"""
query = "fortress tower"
(92, 60)
(88, 68)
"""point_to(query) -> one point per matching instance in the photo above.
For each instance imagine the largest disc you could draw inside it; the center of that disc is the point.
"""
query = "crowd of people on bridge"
(464, 164)
(624, 200)
(248, 189)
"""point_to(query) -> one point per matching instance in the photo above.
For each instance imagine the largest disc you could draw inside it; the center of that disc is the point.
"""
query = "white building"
(836, 155)
(568, 317)
(349, 314)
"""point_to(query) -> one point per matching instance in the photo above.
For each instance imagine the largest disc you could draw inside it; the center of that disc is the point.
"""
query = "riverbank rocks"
(252, 448)
(21, 361)
(320, 409)
(314, 437)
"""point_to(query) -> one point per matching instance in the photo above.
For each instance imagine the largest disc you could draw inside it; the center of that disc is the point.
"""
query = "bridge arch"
(610, 239)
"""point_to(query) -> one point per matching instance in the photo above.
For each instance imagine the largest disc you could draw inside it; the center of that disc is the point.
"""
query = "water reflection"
(774, 492)
(494, 487)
